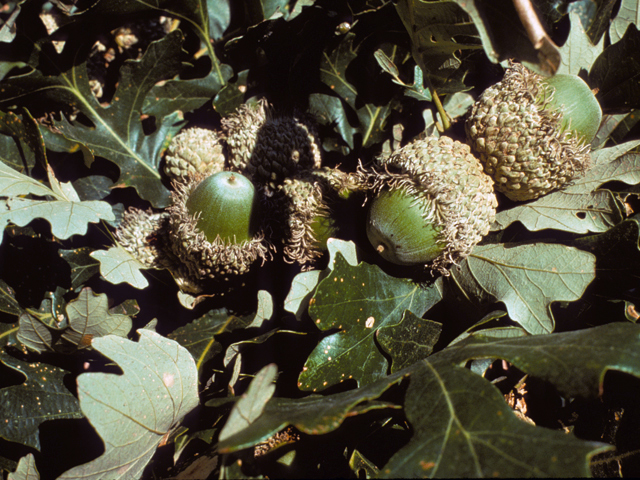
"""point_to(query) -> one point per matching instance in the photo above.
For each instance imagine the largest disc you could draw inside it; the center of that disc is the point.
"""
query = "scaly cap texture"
(194, 150)
(308, 222)
(145, 235)
(448, 181)
(218, 260)
(519, 138)
(269, 148)
(241, 131)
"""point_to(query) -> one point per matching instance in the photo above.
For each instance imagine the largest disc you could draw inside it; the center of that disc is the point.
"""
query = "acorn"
(268, 147)
(194, 150)
(531, 133)
(431, 203)
(308, 222)
(215, 226)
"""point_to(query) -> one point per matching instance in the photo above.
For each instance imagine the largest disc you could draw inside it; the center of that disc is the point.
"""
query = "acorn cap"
(269, 148)
(141, 234)
(524, 140)
(241, 131)
(431, 204)
(194, 150)
(308, 223)
(219, 259)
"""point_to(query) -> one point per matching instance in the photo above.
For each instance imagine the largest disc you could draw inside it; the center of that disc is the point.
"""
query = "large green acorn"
(533, 133)
(431, 204)
(215, 226)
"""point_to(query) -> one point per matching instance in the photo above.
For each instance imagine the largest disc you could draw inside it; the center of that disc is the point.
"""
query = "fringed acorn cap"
(145, 235)
(523, 138)
(308, 223)
(269, 148)
(218, 259)
(431, 204)
(194, 151)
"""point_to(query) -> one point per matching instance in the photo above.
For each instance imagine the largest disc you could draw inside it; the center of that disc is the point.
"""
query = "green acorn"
(215, 226)
(431, 204)
(194, 151)
(532, 133)
(269, 148)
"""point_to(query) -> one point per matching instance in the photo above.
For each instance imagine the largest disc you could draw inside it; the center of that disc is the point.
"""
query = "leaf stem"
(446, 124)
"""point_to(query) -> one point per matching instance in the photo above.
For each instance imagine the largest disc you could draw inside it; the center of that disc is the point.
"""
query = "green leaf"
(579, 207)
(464, 428)
(89, 318)
(618, 256)
(313, 415)
(26, 132)
(82, 265)
(251, 404)
(134, 411)
(527, 279)
(628, 14)
(500, 43)
(8, 334)
(556, 358)
(409, 341)
(333, 73)
(119, 266)
(358, 301)
(578, 53)
(615, 71)
(26, 469)
(66, 213)
(304, 283)
(41, 397)
(184, 95)
(117, 133)
(439, 31)
(8, 302)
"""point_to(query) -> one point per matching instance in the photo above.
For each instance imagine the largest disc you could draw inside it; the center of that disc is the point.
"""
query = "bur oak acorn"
(531, 133)
(430, 203)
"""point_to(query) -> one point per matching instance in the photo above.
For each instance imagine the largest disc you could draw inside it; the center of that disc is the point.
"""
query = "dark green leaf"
(41, 397)
(82, 265)
(556, 358)
(527, 278)
(358, 301)
(8, 302)
(439, 31)
(184, 95)
(128, 411)
(313, 415)
(464, 428)
(26, 132)
(615, 71)
(409, 341)
(251, 404)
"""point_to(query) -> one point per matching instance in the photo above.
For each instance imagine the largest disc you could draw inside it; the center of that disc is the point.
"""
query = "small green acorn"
(215, 226)
(431, 203)
(531, 133)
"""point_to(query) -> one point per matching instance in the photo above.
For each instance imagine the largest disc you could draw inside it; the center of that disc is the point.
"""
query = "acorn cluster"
(239, 196)
(258, 187)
